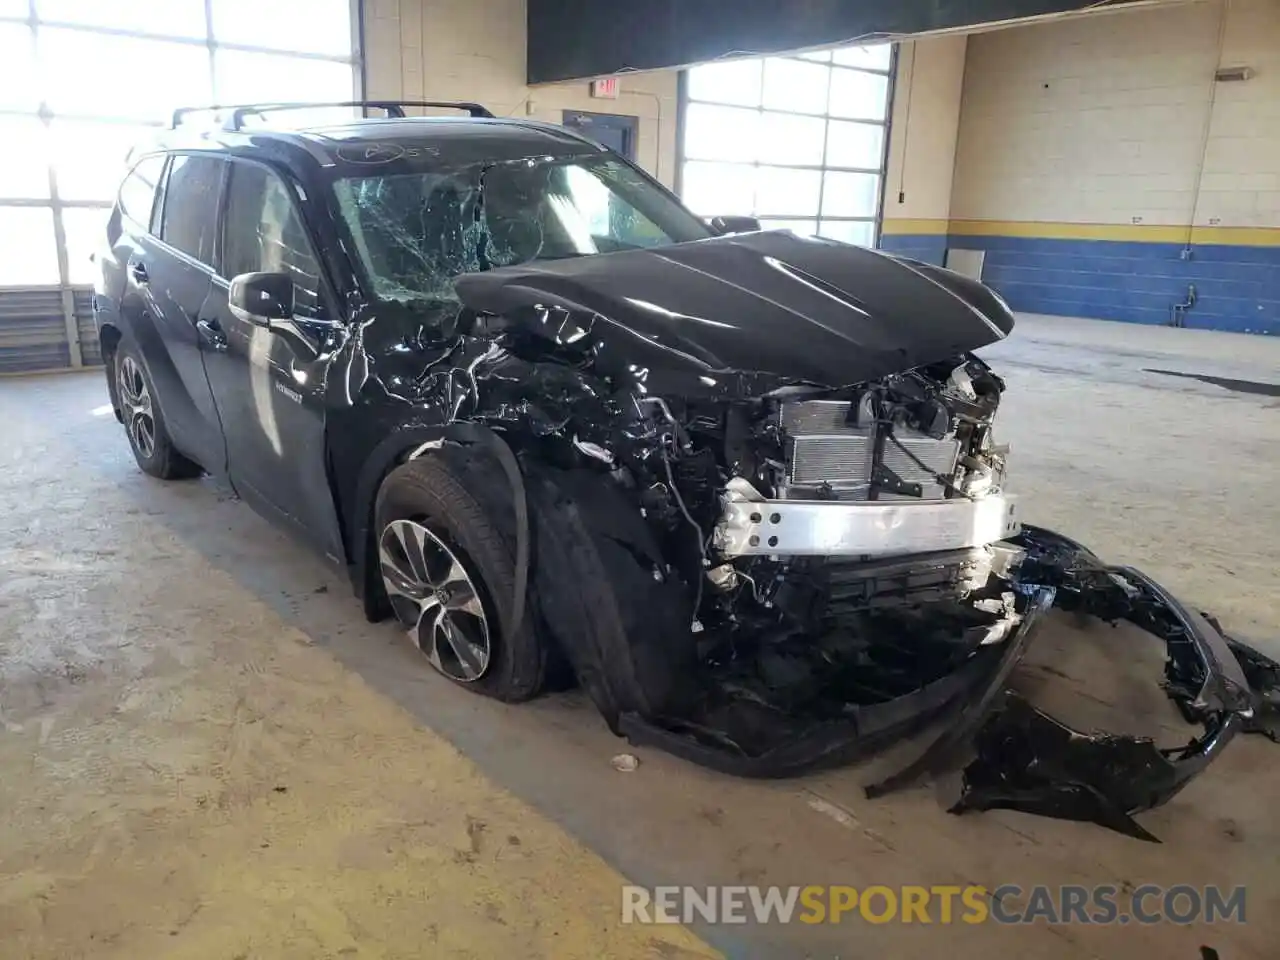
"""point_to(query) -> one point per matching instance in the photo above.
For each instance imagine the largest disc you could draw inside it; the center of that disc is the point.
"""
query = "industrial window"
(68, 126)
(797, 141)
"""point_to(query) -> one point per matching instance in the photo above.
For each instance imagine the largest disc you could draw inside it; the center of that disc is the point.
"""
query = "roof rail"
(392, 108)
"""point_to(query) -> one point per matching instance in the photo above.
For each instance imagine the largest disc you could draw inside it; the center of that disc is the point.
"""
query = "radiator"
(825, 450)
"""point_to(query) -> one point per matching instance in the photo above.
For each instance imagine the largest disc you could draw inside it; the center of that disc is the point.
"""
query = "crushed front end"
(865, 572)
(802, 573)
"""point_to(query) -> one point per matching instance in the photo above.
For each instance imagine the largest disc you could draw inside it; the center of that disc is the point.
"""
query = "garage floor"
(206, 752)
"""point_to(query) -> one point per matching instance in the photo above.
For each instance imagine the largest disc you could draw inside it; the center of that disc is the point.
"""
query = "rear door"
(269, 383)
(168, 275)
(117, 301)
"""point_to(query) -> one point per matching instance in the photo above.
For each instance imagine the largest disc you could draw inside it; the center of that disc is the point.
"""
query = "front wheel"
(447, 561)
(144, 422)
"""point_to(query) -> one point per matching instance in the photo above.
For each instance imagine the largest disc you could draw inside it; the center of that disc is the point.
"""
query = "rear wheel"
(144, 422)
(447, 562)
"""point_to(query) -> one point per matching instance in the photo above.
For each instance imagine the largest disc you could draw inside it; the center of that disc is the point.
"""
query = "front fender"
(397, 447)
(394, 449)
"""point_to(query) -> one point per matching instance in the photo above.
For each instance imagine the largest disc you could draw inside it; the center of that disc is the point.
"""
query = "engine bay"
(789, 640)
(917, 445)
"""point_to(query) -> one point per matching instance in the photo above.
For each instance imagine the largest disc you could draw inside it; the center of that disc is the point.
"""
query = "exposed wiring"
(755, 587)
(702, 552)
(677, 437)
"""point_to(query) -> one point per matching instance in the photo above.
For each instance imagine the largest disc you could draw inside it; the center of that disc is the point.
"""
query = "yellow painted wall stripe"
(1134, 232)
(904, 225)
(1141, 232)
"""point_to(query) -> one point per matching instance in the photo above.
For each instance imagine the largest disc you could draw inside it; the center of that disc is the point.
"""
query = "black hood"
(802, 309)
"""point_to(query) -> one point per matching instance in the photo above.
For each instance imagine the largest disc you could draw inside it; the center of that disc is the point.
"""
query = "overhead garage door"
(798, 141)
(81, 81)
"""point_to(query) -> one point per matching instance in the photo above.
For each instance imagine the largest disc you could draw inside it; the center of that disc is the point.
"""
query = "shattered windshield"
(416, 232)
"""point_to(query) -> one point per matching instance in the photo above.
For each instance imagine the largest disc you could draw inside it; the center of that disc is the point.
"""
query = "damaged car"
(745, 488)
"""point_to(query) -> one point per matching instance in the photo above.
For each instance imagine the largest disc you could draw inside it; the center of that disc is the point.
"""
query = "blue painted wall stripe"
(1237, 287)
(930, 249)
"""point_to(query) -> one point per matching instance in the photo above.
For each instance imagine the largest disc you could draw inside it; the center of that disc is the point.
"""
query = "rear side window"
(138, 192)
(264, 233)
(191, 206)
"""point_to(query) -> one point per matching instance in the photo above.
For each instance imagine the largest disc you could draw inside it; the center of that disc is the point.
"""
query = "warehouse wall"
(475, 50)
(922, 147)
(1078, 166)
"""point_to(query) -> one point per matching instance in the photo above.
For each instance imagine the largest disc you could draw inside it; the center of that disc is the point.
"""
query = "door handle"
(138, 270)
(212, 334)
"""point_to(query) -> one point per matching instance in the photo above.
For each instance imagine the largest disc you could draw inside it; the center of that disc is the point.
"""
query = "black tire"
(162, 460)
(465, 502)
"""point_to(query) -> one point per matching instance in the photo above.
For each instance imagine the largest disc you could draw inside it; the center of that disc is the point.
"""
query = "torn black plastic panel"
(1263, 675)
(1201, 671)
(974, 710)
(1026, 760)
(801, 744)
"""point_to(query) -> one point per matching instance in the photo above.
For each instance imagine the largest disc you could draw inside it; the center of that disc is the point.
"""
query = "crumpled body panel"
(797, 307)
(572, 364)
(1026, 760)
(1023, 759)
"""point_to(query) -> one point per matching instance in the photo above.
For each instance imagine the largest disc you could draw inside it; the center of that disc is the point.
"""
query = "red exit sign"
(606, 88)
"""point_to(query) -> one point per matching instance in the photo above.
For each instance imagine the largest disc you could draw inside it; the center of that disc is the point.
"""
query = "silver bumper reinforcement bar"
(827, 528)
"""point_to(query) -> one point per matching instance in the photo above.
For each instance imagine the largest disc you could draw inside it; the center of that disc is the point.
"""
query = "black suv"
(743, 487)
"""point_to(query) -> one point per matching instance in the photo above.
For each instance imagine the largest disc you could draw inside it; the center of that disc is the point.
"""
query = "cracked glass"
(416, 232)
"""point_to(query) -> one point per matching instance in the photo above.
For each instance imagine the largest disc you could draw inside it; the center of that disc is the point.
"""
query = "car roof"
(447, 141)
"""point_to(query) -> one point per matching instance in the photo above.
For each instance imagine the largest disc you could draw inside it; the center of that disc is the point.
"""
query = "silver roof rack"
(237, 112)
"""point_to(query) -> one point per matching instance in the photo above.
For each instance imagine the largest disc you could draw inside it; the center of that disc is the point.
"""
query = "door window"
(265, 234)
(138, 192)
(191, 205)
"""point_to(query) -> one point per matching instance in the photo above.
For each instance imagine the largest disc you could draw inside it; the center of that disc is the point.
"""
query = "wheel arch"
(109, 336)
(397, 447)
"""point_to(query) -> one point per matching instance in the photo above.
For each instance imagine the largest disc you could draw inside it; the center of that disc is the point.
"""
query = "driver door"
(268, 383)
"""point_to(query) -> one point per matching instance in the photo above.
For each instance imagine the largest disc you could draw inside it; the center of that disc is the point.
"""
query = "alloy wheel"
(434, 596)
(139, 419)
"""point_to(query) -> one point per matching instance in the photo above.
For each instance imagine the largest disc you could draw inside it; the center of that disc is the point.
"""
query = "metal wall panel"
(90, 351)
(33, 331)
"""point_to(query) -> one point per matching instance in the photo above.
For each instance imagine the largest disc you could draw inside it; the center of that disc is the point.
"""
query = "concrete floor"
(205, 751)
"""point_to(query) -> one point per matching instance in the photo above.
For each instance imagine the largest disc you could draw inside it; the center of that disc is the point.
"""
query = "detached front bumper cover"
(1010, 754)
(1026, 760)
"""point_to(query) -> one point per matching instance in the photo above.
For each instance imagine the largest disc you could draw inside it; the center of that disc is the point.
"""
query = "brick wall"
(1079, 165)
(475, 50)
(1101, 120)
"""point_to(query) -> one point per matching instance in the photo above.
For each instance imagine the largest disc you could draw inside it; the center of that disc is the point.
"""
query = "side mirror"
(261, 298)
(721, 226)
